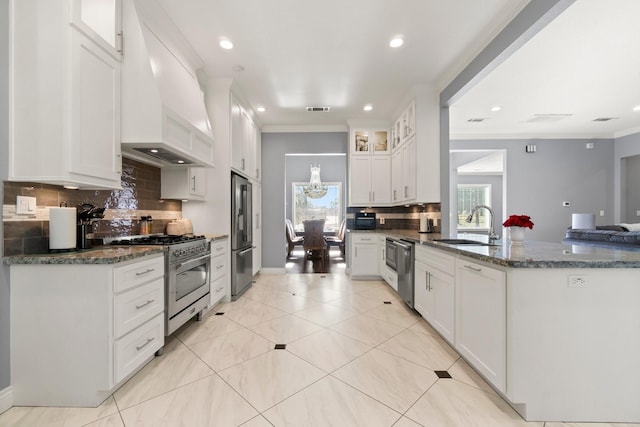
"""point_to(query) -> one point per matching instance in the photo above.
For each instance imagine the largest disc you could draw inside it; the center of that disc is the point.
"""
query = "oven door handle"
(192, 261)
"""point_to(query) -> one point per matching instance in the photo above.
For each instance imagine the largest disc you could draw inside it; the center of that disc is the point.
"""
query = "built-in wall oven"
(400, 258)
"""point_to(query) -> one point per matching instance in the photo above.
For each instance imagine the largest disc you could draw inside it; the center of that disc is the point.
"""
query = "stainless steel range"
(187, 269)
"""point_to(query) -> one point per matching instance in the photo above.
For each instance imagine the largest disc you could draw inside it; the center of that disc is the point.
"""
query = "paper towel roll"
(424, 222)
(62, 228)
(583, 221)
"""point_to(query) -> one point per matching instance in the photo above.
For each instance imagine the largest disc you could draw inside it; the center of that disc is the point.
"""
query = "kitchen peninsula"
(554, 328)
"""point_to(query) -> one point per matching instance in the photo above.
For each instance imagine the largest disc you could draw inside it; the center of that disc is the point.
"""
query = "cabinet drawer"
(218, 248)
(133, 349)
(364, 238)
(436, 258)
(218, 268)
(128, 276)
(217, 290)
(133, 308)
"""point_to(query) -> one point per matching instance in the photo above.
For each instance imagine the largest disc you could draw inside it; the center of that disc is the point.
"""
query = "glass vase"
(516, 234)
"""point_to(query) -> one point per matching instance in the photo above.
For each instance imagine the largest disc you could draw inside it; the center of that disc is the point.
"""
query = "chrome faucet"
(492, 235)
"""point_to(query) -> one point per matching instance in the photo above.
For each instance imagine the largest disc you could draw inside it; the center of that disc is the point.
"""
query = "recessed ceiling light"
(180, 162)
(496, 108)
(153, 150)
(226, 44)
(368, 107)
(397, 41)
(261, 109)
(636, 108)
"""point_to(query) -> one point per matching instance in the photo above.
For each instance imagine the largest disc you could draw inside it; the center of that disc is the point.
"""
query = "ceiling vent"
(477, 120)
(318, 109)
(548, 118)
(604, 119)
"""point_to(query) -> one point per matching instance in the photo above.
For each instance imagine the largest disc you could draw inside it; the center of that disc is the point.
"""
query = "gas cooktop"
(160, 239)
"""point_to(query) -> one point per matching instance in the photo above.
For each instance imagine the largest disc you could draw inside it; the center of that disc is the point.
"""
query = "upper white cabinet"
(369, 141)
(100, 21)
(162, 102)
(369, 168)
(417, 138)
(65, 105)
(183, 183)
(245, 138)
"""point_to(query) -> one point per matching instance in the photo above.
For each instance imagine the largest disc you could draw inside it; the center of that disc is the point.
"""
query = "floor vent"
(280, 346)
(219, 313)
(387, 302)
(443, 374)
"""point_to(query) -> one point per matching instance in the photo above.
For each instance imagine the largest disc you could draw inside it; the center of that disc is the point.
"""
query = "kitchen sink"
(462, 242)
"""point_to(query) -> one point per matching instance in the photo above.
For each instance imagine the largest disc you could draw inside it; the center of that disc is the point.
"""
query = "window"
(328, 207)
(470, 196)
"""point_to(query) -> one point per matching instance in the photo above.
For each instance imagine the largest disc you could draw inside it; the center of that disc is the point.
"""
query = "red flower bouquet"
(518, 221)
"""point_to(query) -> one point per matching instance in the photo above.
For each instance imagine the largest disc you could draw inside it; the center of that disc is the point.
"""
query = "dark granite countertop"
(99, 255)
(531, 254)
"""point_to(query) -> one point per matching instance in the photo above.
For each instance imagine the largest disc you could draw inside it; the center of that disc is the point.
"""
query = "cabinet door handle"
(149, 301)
(219, 267)
(193, 188)
(243, 163)
(405, 191)
(149, 341)
(147, 271)
(373, 196)
(476, 269)
(394, 195)
(356, 252)
(257, 173)
(119, 43)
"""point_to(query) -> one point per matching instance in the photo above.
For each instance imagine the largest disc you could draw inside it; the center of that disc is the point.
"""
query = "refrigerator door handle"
(246, 250)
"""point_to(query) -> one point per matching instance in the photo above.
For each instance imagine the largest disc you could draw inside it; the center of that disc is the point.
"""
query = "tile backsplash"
(140, 196)
(400, 217)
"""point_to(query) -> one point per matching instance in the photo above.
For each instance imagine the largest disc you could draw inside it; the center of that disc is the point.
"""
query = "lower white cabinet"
(218, 278)
(480, 324)
(78, 331)
(363, 249)
(434, 295)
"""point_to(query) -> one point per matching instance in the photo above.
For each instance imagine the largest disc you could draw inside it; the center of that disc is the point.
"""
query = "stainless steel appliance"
(364, 221)
(241, 236)
(400, 258)
(187, 270)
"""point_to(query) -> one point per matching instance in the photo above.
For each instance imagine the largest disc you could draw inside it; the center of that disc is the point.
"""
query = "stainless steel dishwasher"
(404, 262)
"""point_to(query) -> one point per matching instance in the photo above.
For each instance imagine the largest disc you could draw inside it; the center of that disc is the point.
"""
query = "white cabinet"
(256, 194)
(480, 323)
(80, 330)
(416, 174)
(219, 279)
(245, 139)
(369, 141)
(364, 255)
(369, 180)
(435, 289)
(65, 106)
(183, 183)
(100, 20)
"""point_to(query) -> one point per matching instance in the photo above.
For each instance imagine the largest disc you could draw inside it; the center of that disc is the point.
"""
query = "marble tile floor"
(350, 360)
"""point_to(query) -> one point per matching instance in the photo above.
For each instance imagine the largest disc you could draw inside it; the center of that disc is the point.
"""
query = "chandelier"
(315, 189)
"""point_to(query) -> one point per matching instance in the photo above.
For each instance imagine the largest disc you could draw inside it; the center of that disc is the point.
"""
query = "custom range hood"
(164, 120)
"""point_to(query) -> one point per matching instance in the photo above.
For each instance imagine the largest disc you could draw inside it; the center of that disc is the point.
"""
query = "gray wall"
(625, 147)
(332, 169)
(560, 170)
(5, 379)
(631, 195)
(274, 148)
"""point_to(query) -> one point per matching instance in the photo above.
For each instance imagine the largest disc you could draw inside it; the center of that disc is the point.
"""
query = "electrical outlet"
(578, 281)
(637, 213)
(381, 221)
(601, 212)
(566, 204)
(25, 205)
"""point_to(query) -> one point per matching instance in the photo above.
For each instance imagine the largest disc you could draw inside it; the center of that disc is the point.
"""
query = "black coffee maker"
(87, 213)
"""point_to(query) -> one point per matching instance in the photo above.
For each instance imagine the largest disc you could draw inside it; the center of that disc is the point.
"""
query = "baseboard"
(273, 271)
(6, 399)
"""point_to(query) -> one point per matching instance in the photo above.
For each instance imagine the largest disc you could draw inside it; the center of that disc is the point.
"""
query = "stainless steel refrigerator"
(241, 236)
